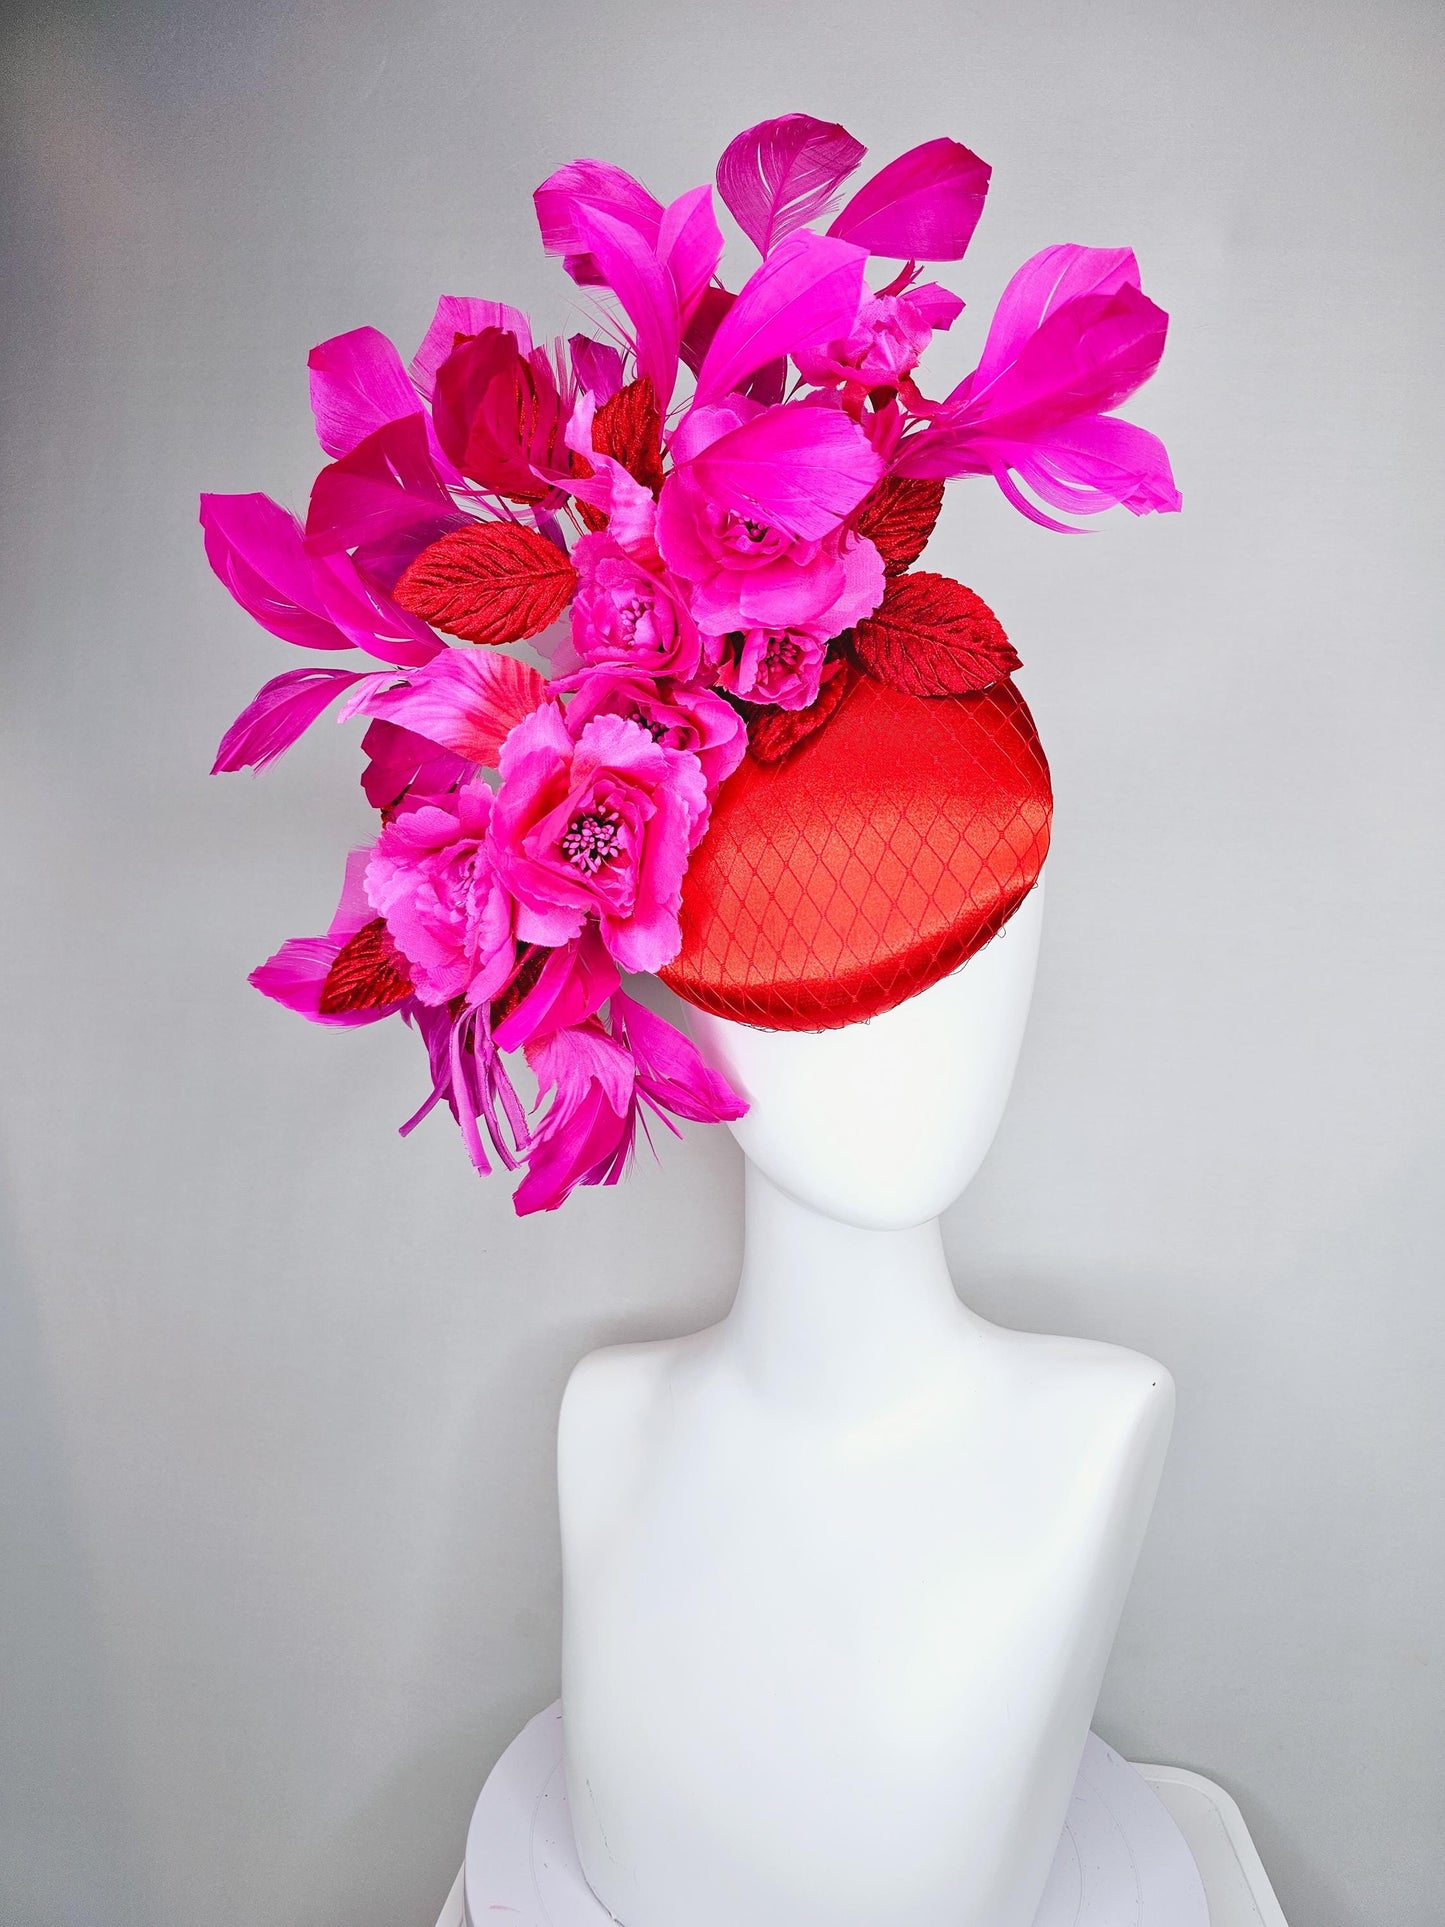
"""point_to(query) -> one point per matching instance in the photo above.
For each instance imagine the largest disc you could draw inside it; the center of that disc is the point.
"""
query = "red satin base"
(883, 853)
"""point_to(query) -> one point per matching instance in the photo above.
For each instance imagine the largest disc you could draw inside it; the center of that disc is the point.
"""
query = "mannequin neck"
(836, 1315)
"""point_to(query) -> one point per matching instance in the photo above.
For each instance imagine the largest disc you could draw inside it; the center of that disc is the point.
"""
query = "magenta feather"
(797, 468)
(922, 207)
(284, 709)
(808, 290)
(781, 174)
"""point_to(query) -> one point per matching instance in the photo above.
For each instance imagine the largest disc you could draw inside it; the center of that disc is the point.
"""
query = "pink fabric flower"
(597, 827)
(786, 561)
(890, 335)
(673, 714)
(783, 667)
(628, 616)
(432, 877)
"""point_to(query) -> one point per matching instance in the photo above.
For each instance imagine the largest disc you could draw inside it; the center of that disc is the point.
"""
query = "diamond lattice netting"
(880, 855)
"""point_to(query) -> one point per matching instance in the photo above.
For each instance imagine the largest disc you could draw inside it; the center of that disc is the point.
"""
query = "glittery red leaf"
(490, 582)
(933, 637)
(898, 518)
(628, 427)
(776, 733)
(368, 973)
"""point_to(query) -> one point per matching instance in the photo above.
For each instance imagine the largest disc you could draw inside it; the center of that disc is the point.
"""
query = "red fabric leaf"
(776, 733)
(368, 973)
(898, 518)
(628, 427)
(490, 582)
(933, 637)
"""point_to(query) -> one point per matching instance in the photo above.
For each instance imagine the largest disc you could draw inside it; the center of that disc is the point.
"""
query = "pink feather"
(781, 174)
(463, 700)
(922, 207)
(798, 468)
(357, 385)
(808, 290)
(280, 712)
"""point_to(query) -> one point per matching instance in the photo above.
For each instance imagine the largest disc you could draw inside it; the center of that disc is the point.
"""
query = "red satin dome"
(882, 853)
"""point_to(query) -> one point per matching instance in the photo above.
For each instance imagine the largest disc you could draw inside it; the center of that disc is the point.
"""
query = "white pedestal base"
(1122, 1861)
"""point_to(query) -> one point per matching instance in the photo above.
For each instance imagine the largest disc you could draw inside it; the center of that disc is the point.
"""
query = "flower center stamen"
(592, 839)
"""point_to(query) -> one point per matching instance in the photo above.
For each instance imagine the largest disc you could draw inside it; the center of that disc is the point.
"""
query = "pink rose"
(600, 826)
(432, 877)
(626, 614)
(783, 667)
(892, 331)
(744, 572)
(673, 714)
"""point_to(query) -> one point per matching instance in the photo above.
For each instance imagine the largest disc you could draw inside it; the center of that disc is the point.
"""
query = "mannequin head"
(884, 1123)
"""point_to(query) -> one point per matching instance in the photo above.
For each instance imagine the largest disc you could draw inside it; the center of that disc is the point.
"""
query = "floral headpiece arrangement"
(732, 562)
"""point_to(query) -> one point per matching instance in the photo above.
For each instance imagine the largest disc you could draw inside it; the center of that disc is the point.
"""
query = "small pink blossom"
(629, 616)
(432, 877)
(674, 714)
(600, 826)
(751, 517)
(783, 667)
(890, 335)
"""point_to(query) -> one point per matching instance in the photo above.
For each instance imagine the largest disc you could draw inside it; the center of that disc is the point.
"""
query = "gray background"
(279, 1567)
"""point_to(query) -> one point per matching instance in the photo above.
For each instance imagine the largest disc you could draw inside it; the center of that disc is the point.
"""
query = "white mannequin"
(842, 1572)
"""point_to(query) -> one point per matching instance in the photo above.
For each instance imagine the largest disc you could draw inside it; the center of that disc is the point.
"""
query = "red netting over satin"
(883, 853)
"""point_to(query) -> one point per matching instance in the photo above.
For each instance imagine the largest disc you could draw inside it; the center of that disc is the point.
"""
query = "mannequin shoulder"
(613, 1391)
(1099, 1386)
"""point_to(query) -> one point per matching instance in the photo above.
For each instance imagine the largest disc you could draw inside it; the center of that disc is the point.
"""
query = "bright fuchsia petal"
(596, 184)
(597, 366)
(799, 469)
(295, 975)
(398, 761)
(387, 487)
(463, 700)
(576, 981)
(808, 290)
(690, 245)
(256, 548)
(922, 207)
(632, 270)
(463, 314)
(669, 1070)
(782, 174)
(357, 385)
(284, 709)
(1040, 287)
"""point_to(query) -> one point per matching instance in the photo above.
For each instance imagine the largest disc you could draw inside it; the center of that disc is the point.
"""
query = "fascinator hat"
(660, 678)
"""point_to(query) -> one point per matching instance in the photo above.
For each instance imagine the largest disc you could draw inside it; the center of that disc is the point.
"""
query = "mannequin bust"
(842, 1572)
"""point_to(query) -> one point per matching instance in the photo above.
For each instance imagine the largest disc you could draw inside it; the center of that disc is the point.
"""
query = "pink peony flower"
(783, 667)
(754, 567)
(627, 615)
(433, 878)
(600, 826)
(891, 333)
(673, 714)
